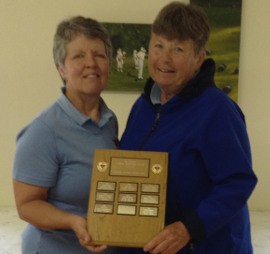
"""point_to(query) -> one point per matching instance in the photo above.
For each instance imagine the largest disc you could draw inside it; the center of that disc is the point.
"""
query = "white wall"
(29, 81)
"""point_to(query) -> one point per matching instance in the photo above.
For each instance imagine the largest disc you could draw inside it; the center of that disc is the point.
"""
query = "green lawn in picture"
(127, 80)
(224, 45)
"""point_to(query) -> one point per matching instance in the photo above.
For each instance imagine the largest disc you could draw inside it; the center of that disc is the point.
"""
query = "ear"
(61, 71)
(201, 57)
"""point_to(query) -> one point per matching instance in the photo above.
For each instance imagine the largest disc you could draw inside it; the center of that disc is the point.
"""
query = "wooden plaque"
(127, 197)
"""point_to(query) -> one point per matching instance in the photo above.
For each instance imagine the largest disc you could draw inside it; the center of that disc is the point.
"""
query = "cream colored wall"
(254, 93)
(29, 81)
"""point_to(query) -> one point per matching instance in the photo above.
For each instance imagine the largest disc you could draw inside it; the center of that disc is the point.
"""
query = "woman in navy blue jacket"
(182, 112)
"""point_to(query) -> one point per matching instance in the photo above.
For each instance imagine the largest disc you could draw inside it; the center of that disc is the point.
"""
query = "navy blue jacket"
(210, 174)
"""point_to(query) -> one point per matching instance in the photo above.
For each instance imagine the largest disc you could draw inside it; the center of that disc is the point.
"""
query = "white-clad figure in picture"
(136, 59)
(119, 60)
(141, 56)
(123, 58)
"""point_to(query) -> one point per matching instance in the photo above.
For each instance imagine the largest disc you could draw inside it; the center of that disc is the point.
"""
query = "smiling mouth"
(165, 70)
(91, 76)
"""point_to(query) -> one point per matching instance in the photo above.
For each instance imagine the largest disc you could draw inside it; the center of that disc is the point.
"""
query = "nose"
(166, 55)
(90, 60)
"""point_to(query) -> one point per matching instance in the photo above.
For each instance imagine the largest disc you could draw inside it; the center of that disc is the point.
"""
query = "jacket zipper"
(191, 248)
(153, 128)
(191, 245)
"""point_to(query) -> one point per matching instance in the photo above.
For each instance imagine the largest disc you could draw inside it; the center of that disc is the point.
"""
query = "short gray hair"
(68, 29)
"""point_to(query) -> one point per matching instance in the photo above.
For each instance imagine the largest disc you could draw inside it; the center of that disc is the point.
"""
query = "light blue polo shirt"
(56, 150)
(155, 94)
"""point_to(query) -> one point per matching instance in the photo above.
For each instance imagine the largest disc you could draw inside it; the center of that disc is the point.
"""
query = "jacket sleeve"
(225, 151)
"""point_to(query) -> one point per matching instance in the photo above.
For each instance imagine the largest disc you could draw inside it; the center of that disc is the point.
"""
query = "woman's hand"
(79, 226)
(170, 240)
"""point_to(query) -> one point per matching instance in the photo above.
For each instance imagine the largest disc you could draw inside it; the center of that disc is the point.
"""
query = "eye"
(101, 55)
(78, 56)
(178, 49)
(158, 45)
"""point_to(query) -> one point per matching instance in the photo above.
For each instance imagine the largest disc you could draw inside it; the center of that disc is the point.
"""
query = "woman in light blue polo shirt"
(53, 160)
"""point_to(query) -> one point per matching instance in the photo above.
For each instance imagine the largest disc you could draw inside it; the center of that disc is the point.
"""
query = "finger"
(160, 248)
(149, 246)
(170, 249)
(96, 248)
(85, 240)
(154, 242)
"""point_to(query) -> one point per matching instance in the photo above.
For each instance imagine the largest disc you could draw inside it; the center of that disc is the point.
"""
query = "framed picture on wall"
(130, 48)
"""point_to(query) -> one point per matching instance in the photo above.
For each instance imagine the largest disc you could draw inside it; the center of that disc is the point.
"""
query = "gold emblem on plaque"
(102, 166)
(156, 168)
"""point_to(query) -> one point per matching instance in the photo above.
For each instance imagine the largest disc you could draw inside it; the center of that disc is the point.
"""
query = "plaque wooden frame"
(127, 197)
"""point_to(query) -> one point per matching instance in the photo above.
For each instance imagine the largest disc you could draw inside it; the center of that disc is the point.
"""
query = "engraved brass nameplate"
(149, 199)
(108, 186)
(148, 211)
(150, 188)
(133, 187)
(102, 208)
(105, 196)
(129, 167)
(127, 197)
(126, 209)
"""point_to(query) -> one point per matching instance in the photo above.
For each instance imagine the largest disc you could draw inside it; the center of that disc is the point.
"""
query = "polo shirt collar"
(155, 94)
(77, 116)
